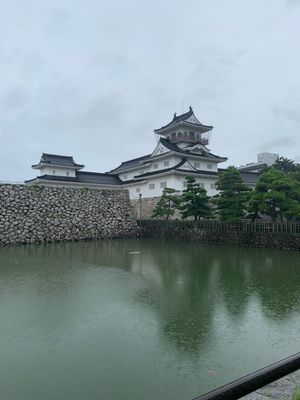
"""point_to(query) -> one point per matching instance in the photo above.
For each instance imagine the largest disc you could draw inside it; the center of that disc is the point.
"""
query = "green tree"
(232, 200)
(167, 204)
(194, 201)
(285, 165)
(277, 194)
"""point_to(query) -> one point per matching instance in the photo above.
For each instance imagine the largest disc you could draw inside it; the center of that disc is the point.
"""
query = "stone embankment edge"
(252, 239)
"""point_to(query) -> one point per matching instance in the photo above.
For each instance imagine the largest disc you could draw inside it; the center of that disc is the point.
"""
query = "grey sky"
(93, 78)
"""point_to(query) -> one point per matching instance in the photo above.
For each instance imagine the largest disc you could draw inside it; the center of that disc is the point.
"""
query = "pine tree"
(232, 200)
(285, 165)
(194, 201)
(277, 194)
(167, 204)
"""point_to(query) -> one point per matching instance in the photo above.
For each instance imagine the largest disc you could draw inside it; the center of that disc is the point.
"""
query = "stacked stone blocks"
(30, 214)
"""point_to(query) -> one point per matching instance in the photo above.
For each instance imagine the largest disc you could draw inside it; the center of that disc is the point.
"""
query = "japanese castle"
(181, 150)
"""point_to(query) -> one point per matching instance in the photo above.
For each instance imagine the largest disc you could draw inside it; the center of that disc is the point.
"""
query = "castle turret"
(186, 129)
(54, 164)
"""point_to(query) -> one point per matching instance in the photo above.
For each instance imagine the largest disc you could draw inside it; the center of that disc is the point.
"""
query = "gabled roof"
(173, 147)
(162, 170)
(188, 118)
(170, 146)
(58, 160)
(176, 167)
(130, 163)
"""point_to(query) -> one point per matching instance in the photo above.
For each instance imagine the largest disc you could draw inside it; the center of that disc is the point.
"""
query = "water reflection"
(192, 310)
(185, 282)
(193, 281)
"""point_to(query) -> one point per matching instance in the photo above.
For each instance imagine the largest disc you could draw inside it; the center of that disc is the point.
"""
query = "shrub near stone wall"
(30, 214)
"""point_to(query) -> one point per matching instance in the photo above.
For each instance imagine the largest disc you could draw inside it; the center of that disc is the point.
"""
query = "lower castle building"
(181, 150)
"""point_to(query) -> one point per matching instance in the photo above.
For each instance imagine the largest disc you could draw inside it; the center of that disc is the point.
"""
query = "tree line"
(276, 196)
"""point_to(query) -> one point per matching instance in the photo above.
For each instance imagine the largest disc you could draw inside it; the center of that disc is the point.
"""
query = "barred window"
(163, 184)
(151, 186)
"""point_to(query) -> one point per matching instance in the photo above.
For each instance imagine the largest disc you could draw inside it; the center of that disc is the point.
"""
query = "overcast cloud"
(93, 79)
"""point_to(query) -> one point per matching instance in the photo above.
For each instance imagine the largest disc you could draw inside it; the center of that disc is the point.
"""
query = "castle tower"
(185, 129)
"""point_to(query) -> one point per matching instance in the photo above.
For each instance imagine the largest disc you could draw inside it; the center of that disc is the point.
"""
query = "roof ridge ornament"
(191, 108)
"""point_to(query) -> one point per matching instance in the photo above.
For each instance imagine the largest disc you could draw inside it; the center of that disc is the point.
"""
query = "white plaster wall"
(146, 191)
(173, 181)
(208, 183)
(58, 171)
(173, 160)
(203, 164)
(267, 158)
(126, 176)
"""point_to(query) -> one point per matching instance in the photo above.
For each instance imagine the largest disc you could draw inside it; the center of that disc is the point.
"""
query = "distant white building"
(263, 159)
(181, 150)
(267, 158)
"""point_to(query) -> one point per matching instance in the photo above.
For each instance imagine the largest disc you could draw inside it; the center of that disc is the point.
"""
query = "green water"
(92, 321)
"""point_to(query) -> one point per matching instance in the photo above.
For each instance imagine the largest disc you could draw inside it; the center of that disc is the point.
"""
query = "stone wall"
(30, 214)
(146, 206)
(184, 231)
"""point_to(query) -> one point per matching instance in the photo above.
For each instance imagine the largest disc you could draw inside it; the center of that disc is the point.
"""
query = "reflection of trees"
(197, 279)
(183, 300)
(272, 275)
(276, 279)
(185, 283)
(234, 287)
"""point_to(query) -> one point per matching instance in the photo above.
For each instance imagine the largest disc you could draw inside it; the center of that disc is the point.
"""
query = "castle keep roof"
(189, 119)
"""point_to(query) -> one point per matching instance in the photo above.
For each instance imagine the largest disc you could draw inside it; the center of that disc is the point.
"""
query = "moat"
(141, 319)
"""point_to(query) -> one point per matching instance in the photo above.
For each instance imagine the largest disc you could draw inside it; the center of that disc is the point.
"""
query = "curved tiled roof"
(130, 163)
(173, 147)
(183, 118)
(56, 159)
(169, 145)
